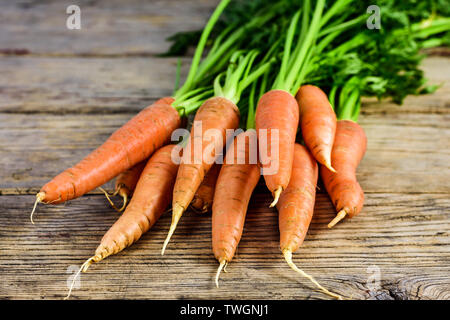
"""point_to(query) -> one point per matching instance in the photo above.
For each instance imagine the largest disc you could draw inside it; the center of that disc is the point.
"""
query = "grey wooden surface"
(71, 90)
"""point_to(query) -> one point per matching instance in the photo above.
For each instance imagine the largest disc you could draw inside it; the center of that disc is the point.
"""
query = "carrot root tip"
(83, 268)
(276, 196)
(288, 257)
(327, 164)
(222, 266)
(341, 215)
(124, 196)
(39, 198)
(225, 267)
(177, 212)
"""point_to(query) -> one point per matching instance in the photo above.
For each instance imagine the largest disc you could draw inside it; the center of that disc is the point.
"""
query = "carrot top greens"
(192, 77)
(327, 43)
(238, 76)
(196, 88)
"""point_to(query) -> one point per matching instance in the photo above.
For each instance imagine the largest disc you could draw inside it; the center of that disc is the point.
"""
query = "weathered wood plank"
(405, 236)
(81, 85)
(110, 85)
(406, 152)
(107, 27)
(102, 75)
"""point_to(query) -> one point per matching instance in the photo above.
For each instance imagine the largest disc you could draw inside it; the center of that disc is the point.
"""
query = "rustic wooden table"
(64, 91)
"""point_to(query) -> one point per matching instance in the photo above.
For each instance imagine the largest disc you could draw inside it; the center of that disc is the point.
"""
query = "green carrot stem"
(305, 22)
(279, 82)
(326, 41)
(309, 39)
(332, 97)
(251, 107)
(239, 75)
(425, 33)
(177, 76)
(190, 94)
(304, 71)
(348, 101)
(433, 43)
(357, 41)
(357, 109)
(338, 6)
(200, 47)
(343, 26)
(223, 51)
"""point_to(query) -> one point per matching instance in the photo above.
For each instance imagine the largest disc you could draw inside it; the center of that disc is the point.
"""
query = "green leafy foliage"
(384, 63)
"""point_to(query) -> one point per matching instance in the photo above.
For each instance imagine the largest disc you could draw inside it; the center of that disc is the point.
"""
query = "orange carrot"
(296, 207)
(318, 123)
(203, 198)
(150, 199)
(237, 180)
(216, 117)
(135, 141)
(277, 110)
(215, 113)
(125, 184)
(344, 190)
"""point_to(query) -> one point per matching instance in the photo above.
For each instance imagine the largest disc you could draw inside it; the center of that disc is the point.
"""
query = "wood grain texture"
(64, 92)
(58, 85)
(406, 153)
(82, 85)
(107, 27)
(405, 236)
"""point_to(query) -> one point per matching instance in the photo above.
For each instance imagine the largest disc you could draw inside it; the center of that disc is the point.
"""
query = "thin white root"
(276, 196)
(125, 201)
(111, 202)
(177, 212)
(288, 257)
(225, 267)
(83, 268)
(222, 266)
(39, 198)
(341, 215)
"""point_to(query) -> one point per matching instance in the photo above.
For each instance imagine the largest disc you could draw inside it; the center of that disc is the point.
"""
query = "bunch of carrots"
(309, 77)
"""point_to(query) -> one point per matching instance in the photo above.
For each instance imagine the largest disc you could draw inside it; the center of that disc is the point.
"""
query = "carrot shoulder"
(296, 207)
(237, 180)
(318, 123)
(343, 188)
